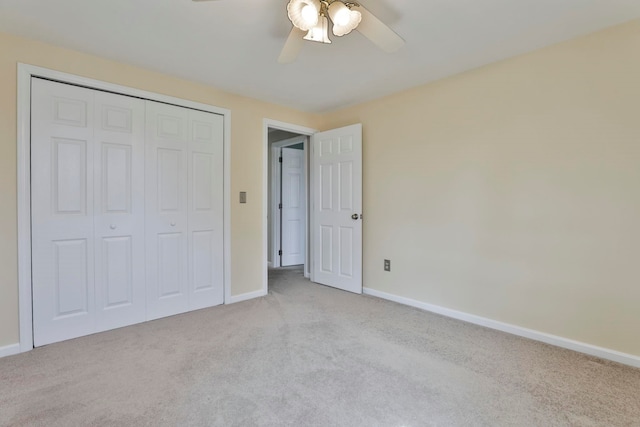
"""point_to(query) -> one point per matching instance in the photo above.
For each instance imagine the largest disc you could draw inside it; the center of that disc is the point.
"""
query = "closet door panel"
(127, 210)
(62, 211)
(205, 214)
(166, 198)
(119, 210)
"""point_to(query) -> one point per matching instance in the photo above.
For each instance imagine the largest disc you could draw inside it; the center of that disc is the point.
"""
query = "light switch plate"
(243, 197)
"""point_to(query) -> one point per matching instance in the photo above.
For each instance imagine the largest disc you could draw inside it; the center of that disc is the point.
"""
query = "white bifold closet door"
(183, 209)
(127, 210)
(87, 207)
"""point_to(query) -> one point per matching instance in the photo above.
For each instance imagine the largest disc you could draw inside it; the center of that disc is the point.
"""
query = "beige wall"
(246, 157)
(513, 191)
(510, 192)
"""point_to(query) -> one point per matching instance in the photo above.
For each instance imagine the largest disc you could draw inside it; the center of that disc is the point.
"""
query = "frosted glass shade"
(319, 33)
(304, 14)
(344, 19)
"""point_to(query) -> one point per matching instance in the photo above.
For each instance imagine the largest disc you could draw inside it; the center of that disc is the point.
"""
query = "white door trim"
(275, 214)
(289, 127)
(25, 73)
(276, 148)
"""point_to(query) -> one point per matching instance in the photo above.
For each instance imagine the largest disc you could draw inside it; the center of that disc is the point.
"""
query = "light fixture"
(304, 14)
(344, 19)
(319, 33)
(312, 16)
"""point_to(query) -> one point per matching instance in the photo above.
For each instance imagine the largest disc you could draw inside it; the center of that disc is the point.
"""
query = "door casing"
(25, 74)
(289, 127)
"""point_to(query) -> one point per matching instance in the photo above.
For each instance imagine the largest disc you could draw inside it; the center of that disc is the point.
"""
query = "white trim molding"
(592, 350)
(25, 74)
(244, 297)
(9, 350)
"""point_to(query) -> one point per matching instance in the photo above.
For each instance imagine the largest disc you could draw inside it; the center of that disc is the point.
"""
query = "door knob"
(173, 224)
(112, 226)
(354, 216)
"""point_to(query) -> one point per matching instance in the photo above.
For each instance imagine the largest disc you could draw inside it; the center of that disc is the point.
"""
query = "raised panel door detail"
(294, 162)
(70, 176)
(202, 132)
(169, 171)
(169, 127)
(117, 271)
(69, 112)
(71, 277)
(326, 248)
(326, 187)
(293, 237)
(326, 147)
(117, 119)
(294, 189)
(202, 256)
(202, 181)
(346, 185)
(346, 251)
(116, 179)
(346, 145)
(169, 265)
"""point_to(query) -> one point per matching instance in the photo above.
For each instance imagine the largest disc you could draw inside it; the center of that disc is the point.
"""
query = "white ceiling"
(234, 44)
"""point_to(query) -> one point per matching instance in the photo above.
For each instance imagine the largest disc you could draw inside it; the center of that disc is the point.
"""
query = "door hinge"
(280, 206)
(280, 252)
(280, 159)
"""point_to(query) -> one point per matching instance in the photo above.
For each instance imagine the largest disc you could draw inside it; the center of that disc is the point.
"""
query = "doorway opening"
(288, 199)
(286, 154)
(330, 170)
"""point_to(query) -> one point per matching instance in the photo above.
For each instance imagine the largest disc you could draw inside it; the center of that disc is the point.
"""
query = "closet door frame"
(25, 74)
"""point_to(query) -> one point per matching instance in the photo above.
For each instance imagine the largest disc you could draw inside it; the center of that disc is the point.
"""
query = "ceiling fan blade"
(292, 46)
(378, 32)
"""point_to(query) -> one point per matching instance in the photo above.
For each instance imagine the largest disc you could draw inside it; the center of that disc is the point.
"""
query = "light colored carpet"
(308, 355)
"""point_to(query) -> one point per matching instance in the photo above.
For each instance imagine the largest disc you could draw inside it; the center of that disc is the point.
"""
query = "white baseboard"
(9, 350)
(604, 353)
(244, 297)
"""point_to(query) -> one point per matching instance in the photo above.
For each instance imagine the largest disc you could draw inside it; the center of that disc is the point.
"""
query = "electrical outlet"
(387, 265)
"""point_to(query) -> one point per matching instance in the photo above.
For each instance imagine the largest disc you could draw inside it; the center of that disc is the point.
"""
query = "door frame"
(289, 127)
(276, 185)
(25, 73)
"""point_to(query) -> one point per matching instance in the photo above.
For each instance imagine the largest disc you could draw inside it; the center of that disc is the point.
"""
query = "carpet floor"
(309, 355)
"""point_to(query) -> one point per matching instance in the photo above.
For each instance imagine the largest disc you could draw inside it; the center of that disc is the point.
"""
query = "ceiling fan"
(310, 19)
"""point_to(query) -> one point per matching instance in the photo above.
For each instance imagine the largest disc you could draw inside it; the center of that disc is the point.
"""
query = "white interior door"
(293, 207)
(62, 206)
(127, 210)
(205, 215)
(87, 186)
(119, 210)
(166, 209)
(336, 220)
(184, 209)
